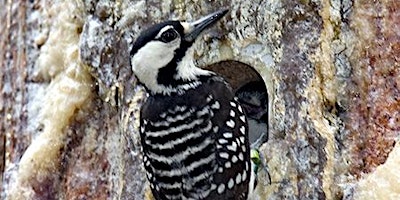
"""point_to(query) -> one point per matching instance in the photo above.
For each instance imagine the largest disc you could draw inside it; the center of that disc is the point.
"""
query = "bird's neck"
(177, 77)
(186, 70)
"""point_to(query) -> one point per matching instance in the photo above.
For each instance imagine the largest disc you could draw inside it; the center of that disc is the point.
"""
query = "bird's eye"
(169, 35)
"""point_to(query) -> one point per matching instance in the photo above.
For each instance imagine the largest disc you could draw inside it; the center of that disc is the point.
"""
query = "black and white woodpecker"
(193, 130)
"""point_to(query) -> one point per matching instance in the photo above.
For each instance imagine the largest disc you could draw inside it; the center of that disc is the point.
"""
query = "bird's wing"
(199, 150)
(231, 143)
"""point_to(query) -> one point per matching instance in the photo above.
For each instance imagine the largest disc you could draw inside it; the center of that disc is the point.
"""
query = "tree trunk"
(69, 102)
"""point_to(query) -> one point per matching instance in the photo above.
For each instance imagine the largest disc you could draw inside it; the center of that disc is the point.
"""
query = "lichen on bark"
(70, 102)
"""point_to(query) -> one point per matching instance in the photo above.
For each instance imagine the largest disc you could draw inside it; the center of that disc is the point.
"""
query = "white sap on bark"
(70, 101)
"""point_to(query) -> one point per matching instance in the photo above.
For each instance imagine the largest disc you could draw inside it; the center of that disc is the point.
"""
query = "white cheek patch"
(150, 58)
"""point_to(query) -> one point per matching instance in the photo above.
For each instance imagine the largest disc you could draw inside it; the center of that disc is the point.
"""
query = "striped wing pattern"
(199, 151)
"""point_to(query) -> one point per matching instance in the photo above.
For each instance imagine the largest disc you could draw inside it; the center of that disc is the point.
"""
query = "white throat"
(187, 70)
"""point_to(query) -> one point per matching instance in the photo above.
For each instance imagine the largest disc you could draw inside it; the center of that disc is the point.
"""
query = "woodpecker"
(194, 132)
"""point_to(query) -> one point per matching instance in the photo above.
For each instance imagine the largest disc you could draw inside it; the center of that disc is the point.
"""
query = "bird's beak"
(194, 29)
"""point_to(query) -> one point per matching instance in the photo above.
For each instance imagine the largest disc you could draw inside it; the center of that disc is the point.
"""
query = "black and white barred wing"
(199, 151)
(233, 173)
(179, 151)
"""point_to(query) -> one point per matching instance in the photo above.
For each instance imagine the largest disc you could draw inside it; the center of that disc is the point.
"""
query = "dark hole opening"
(250, 88)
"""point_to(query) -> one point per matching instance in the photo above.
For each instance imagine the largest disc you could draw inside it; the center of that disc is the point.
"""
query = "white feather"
(187, 70)
(150, 58)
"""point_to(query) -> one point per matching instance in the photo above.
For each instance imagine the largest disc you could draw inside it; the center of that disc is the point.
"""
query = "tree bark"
(69, 102)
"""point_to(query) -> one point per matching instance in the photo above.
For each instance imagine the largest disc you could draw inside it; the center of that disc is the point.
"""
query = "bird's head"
(160, 57)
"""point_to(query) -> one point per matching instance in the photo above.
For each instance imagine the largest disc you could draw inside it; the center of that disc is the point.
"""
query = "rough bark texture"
(69, 101)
